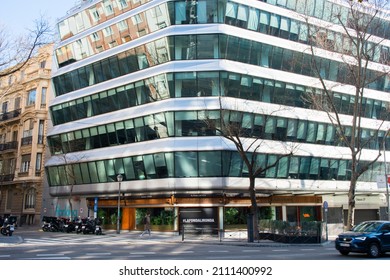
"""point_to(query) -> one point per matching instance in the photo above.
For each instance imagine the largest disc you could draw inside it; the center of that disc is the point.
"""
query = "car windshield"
(367, 227)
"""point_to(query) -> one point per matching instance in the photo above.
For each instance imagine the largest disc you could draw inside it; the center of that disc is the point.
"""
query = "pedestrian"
(146, 222)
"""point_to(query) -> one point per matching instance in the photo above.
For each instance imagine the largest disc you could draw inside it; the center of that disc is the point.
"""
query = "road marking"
(143, 253)
(219, 251)
(280, 250)
(249, 251)
(5, 256)
(98, 254)
(51, 258)
(50, 255)
(307, 249)
(182, 252)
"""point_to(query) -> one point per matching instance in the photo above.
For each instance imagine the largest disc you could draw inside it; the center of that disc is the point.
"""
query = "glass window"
(271, 172)
(254, 17)
(236, 165)
(160, 165)
(283, 167)
(128, 168)
(186, 164)
(231, 10)
(31, 97)
(210, 164)
(149, 166)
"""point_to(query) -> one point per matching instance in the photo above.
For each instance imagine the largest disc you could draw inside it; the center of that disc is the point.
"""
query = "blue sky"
(18, 16)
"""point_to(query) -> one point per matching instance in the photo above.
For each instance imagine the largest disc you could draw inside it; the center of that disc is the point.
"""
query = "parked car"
(370, 237)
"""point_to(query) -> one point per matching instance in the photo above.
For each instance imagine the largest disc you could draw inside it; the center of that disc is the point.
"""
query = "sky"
(17, 16)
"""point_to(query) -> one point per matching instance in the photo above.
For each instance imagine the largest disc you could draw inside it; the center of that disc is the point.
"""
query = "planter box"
(283, 238)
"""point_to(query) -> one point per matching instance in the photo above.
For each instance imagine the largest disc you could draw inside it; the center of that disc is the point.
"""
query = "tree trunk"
(351, 202)
(253, 209)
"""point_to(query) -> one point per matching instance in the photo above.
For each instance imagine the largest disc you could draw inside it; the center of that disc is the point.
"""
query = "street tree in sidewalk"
(244, 125)
(354, 42)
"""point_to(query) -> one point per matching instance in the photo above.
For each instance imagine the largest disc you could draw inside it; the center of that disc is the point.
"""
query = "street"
(38, 245)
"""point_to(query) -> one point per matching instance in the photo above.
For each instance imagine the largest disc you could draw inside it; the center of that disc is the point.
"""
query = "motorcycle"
(92, 226)
(78, 225)
(98, 227)
(49, 224)
(69, 226)
(8, 226)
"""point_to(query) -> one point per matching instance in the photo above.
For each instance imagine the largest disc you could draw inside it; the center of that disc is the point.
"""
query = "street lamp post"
(119, 178)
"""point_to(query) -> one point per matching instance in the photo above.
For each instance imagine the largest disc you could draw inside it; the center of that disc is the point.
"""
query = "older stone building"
(24, 97)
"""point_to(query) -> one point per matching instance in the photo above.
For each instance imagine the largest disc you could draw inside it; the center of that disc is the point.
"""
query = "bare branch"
(15, 52)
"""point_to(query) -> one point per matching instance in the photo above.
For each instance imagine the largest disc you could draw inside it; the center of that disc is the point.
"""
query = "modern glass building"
(137, 82)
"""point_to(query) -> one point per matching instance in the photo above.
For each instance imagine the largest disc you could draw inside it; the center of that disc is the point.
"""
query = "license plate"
(12, 228)
(344, 245)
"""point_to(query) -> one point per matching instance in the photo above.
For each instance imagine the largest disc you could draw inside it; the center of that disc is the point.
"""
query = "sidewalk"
(165, 237)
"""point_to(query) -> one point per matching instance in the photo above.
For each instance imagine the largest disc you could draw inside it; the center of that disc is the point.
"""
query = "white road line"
(98, 254)
(5, 256)
(50, 255)
(52, 258)
(280, 250)
(143, 253)
(249, 251)
(182, 252)
(307, 249)
(221, 251)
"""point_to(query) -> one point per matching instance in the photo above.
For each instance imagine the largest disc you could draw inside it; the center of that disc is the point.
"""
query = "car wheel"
(373, 250)
(344, 253)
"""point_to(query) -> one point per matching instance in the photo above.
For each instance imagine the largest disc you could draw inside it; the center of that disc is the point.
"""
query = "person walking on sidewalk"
(146, 222)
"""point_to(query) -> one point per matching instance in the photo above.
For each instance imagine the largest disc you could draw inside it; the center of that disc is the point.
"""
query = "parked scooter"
(49, 223)
(98, 227)
(78, 225)
(88, 226)
(69, 226)
(8, 226)
(93, 226)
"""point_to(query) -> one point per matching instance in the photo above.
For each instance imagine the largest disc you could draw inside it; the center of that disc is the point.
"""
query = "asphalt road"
(38, 245)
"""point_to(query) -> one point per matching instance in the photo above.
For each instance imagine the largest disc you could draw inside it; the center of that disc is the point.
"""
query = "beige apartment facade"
(24, 97)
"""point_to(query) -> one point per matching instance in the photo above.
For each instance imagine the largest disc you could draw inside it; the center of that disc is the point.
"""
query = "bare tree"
(16, 51)
(250, 145)
(364, 62)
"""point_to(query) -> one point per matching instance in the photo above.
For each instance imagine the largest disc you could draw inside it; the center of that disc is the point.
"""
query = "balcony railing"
(7, 177)
(10, 115)
(26, 141)
(9, 146)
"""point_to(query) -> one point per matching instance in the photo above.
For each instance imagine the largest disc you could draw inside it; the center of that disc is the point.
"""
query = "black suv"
(370, 237)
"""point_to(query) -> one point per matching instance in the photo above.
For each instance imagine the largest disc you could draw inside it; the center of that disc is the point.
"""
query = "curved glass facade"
(144, 88)
(193, 47)
(215, 83)
(196, 123)
(213, 11)
(197, 164)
